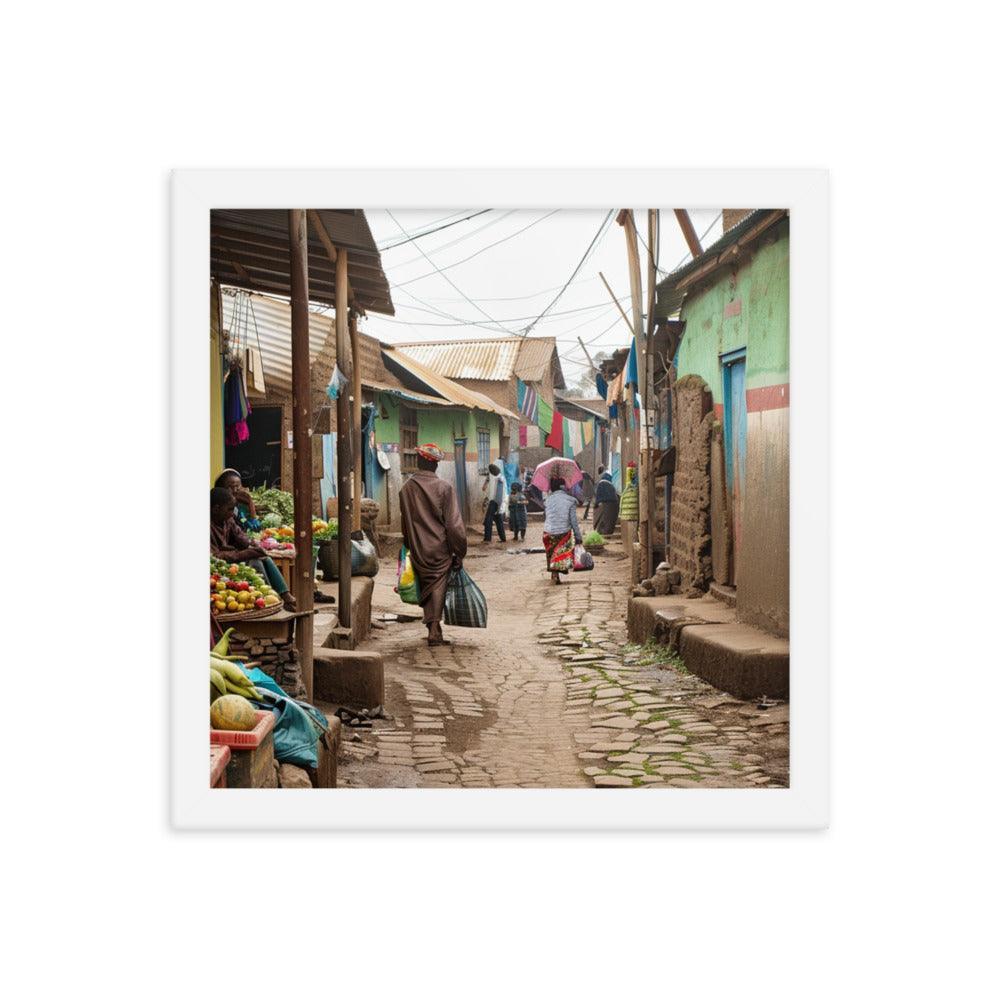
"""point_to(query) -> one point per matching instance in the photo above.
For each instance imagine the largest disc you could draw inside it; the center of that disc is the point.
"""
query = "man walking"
(495, 489)
(434, 533)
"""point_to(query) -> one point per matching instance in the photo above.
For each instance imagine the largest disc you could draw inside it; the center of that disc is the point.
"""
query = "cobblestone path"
(550, 696)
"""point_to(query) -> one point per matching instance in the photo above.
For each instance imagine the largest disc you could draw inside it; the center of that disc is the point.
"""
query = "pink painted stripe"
(767, 397)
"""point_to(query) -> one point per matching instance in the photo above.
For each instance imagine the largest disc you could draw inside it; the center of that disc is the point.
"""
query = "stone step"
(723, 592)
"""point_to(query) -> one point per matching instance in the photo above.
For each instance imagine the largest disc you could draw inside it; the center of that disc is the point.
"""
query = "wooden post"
(649, 391)
(359, 449)
(687, 228)
(345, 463)
(302, 479)
(627, 222)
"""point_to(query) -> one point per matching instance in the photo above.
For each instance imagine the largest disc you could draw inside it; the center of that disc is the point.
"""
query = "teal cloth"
(297, 725)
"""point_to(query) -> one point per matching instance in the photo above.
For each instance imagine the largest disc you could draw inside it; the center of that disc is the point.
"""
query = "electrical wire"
(508, 319)
(437, 229)
(460, 239)
(446, 278)
(583, 260)
(489, 246)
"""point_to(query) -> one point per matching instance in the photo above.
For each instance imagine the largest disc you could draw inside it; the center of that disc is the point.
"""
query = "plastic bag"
(364, 561)
(582, 559)
(407, 584)
(464, 604)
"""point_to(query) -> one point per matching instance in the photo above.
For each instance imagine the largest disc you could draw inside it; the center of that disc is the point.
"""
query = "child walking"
(518, 511)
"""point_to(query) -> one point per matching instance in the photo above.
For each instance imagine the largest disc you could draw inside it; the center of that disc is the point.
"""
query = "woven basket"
(240, 616)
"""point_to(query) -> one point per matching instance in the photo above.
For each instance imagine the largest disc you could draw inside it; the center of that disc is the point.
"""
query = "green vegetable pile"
(593, 538)
(328, 533)
(268, 500)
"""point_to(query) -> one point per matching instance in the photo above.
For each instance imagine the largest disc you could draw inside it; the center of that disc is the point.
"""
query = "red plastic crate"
(244, 740)
(219, 757)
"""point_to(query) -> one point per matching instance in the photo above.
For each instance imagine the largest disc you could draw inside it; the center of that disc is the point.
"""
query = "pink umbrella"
(563, 468)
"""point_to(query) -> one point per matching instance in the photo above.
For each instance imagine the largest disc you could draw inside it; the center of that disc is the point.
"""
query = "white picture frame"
(804, 804)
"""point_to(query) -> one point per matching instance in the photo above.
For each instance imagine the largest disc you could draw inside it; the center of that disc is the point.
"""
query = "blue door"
(735, 440)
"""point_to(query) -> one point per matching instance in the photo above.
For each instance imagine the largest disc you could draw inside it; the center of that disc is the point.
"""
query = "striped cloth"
(527, 401)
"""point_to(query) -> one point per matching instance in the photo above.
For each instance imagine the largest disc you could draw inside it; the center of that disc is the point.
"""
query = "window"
(408, 439)
(483, 448)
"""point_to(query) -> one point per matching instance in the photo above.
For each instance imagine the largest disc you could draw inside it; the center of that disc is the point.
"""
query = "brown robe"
(434, 533)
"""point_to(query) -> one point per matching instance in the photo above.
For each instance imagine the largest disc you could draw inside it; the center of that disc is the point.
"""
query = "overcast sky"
(512, 282)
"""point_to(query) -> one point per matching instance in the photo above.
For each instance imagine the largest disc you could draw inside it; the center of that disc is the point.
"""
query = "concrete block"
(325, 775)
(647, 617)
(362, 588)
(348, 677)
(737, 658)
(252, 768)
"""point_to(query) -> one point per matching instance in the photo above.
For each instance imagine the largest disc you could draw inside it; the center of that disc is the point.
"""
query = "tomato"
(259, 603)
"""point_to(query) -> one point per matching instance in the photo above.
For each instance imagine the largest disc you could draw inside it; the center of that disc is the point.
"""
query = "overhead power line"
(446, 278)
(583, 260)
(459, 239)
(437, 229)
(489, 246)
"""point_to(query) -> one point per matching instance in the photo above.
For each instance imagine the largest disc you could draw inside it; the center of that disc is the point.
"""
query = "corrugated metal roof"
(495, 360)
(249, 249)
(404, 365)
(596, 407)
(534, 357)
(268, 321)
(487, 360)
(671, 290)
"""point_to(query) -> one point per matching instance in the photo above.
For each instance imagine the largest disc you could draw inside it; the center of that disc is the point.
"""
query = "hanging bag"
(582, 559)
(407, 584)
(464, 603)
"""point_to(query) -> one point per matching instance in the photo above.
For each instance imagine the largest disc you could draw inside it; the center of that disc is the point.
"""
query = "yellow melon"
(233, 712)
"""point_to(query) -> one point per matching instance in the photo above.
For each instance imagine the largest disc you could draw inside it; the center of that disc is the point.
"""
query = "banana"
(222, 646)
(246, 692)
(230, 671)
(218, 681)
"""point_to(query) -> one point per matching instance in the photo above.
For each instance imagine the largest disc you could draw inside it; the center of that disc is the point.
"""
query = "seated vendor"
(246, 512)
(229, 541)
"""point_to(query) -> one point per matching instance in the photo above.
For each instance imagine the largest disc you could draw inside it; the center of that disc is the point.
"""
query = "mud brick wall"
(690, 528)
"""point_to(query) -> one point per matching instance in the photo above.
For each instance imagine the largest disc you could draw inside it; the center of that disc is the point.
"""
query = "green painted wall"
(761, 327)
(387, 430)
(440, 426)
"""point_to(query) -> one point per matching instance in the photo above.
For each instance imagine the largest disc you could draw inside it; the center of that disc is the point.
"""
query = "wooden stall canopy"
(249, 249)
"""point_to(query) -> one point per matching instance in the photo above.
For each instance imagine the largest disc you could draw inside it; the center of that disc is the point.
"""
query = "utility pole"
(649, 390)
(626, 220)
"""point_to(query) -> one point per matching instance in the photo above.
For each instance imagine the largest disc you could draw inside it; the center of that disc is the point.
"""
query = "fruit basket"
(242, 739)
(238, 592)
(242, 616)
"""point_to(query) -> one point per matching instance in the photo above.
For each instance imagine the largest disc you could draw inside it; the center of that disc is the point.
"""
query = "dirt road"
(550, 695)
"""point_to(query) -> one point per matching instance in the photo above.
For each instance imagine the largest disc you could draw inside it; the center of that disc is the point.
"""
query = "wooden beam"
(302, 478)
(352, 325)
(345, 461)
(331, 250)
(687, 228)
(628, 322)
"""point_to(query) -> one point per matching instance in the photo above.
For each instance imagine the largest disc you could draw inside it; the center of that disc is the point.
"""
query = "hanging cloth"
(544, 420)
(632, 367)
(527, 401)
(522, 435)
(555, 435)
(237, 408)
